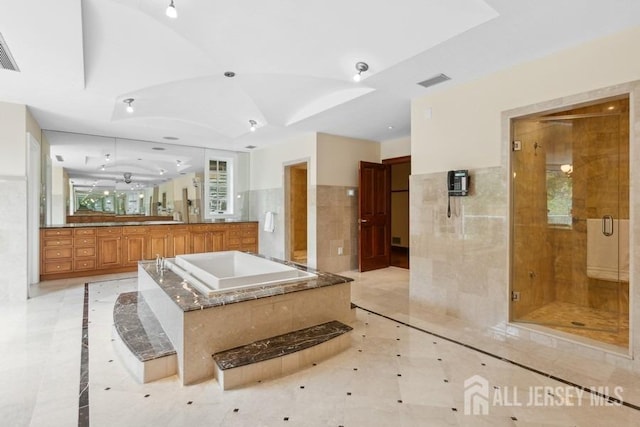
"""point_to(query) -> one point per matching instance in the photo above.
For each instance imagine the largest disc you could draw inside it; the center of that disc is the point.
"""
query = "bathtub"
(216, 271)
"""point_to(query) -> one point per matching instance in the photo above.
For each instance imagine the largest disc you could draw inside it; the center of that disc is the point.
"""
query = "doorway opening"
(400, 172)
(570, 220)
(296, 189)
(383, 214)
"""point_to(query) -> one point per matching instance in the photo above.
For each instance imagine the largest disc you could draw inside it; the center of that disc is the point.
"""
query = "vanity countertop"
(189, 299)
(134, 223)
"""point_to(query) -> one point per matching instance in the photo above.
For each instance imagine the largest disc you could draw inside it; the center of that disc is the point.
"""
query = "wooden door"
(374, 213)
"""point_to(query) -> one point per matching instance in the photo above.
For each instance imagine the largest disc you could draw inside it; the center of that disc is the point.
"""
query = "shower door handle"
(607, 225)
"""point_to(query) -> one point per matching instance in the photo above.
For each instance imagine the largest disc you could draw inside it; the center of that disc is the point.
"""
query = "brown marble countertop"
(189, 299)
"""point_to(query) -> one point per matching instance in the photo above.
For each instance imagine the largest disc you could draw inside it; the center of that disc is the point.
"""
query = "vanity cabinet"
(56, 251)
(134, 247)
(180, 241)
(84, 251)
(109, 247)
(208, 238)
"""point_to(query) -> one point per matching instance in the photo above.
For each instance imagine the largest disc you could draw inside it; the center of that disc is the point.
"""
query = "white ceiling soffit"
(49, 54)
(292, 59)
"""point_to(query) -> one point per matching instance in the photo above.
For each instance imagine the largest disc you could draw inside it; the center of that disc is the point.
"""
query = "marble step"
(140, 341)
(280, 355)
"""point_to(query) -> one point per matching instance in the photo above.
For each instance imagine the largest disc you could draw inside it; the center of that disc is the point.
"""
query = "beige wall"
(465, 131)
(460, 265)
(13, 139)
(393, 148)
(339, 157)
(267, 164)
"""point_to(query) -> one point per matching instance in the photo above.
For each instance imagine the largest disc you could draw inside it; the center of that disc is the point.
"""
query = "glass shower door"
(570, 221)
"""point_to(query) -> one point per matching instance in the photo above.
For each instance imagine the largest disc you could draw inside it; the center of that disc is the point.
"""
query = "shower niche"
(570, 220)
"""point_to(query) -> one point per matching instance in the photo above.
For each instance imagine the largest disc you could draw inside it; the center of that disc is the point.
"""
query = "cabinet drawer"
(109, 231)
(84, 232)
(57, 253)
(58, 232)
(84, 264)
(57, 267)
(135, 230)
(63, 241)
(85, 252)
(84, 241)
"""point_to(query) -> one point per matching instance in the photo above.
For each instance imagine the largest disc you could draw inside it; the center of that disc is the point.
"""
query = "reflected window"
(559, 197)
(219, 183)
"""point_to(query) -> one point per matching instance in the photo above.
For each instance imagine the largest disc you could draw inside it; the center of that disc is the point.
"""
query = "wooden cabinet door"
(199, 242)
(109, 252)
(158, 244)
(180, 243)
(133, 249)
(216, 241)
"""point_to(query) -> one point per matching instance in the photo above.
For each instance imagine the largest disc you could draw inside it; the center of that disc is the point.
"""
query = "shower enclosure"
(570, 216)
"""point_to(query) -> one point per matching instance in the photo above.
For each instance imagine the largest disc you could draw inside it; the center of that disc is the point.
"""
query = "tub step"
(280, 355)
(140, 341)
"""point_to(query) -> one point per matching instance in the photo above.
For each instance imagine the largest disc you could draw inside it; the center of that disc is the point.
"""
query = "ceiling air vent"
(435, 80)
(59, 158)
(6, 59)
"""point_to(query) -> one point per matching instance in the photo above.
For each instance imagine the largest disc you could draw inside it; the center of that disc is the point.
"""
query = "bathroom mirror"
(95, 177)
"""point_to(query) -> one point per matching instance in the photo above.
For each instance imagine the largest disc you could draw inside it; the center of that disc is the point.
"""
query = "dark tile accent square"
(286, 418)
(454, 409)
(514, 418)
(190, 402)
(147, 395)
(399, 400)
(348, 393)
(236, 410)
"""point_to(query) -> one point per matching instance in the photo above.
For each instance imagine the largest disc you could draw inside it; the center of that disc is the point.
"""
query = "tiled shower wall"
(459, 264)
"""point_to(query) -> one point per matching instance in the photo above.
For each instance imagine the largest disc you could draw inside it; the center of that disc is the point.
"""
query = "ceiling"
(293, 63)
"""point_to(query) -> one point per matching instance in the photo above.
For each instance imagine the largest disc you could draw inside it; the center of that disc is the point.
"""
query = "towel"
(269, 223)
(608, 256)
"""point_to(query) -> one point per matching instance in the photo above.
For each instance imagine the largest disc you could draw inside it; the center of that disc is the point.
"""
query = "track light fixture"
(361, 67)
(252, 125)
(107, 157)
(128, 101)
(171, 11)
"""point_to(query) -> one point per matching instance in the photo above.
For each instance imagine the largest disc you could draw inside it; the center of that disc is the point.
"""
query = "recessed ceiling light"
(229, 74)
(390, 127)
(171, 138)
(158, 148)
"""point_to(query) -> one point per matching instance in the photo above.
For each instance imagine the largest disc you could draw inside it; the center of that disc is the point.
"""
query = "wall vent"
(435, 80)
(6, 59)
(59, 158)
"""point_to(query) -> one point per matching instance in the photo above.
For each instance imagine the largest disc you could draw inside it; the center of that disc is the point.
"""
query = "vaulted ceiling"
(293, 61)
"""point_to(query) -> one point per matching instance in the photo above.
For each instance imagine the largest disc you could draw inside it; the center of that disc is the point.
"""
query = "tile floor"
(395, 373)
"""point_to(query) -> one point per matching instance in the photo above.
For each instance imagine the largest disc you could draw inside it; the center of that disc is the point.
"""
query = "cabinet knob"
(58, 242)
(57, 266)
(58, 254)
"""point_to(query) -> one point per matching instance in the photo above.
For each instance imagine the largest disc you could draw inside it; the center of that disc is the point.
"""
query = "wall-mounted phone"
(458, 182)
(457, 185)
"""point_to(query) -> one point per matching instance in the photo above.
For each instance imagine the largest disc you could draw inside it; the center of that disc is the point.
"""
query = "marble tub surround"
(188, 298)
(199, 326)
(136, 327)
(280, 355)
(279, 345)
(135, 323)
